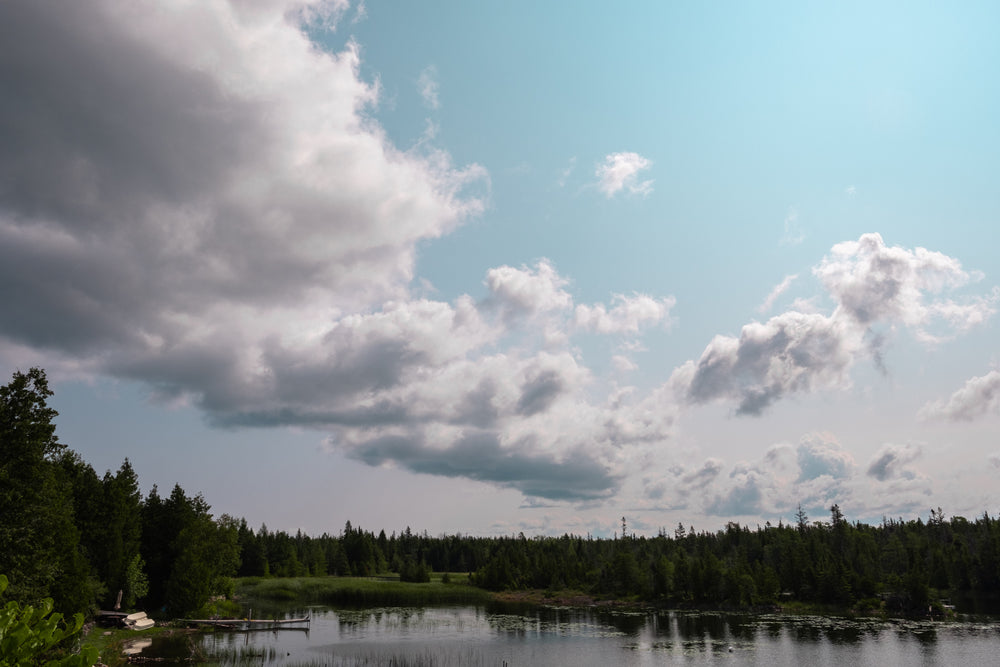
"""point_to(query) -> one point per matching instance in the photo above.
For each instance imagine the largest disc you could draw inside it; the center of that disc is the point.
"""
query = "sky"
(490, 268)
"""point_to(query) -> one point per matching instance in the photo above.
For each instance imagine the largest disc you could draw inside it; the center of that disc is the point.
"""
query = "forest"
(80, 538)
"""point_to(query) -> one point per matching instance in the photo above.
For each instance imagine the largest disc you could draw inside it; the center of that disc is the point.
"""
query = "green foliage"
(357, 591)
(39, 541)
(415, 572)
(207, 555)
(136, 583)
(33, 635)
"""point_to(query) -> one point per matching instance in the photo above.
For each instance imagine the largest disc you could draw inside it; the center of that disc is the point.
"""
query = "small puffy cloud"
(820, 454)
(891, 462)
(623, 364)
(428, 87)
(979, 396)
(525, 292)
(620, 172)
(628, 315)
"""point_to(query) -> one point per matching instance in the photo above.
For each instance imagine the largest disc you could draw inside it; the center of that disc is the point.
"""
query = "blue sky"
(490, 268)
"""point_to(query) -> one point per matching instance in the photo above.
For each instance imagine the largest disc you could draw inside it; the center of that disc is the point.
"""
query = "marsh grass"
(360, 591)
(242, 655)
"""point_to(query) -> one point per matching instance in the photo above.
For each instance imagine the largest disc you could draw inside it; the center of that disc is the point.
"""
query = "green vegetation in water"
(361, 591)
(436, 657)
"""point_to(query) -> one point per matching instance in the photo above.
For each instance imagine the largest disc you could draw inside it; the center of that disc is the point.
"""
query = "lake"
(518, 635)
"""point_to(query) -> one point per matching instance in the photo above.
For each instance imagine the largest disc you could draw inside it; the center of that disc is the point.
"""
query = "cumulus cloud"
(620, 172)
(700, 476)
(891, 462)
(820, 454)
(743, 498)
(797, 352)
(979, 396)
(827, 474)
(873, 282)
(792, 352)
(628, 315)
(482, 457)
(227, 224)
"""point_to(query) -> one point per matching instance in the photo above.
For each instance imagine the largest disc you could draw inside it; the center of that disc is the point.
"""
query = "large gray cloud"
(482, 457)
(197, 197)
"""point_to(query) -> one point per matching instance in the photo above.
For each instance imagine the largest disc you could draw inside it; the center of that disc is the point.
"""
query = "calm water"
(497, 635)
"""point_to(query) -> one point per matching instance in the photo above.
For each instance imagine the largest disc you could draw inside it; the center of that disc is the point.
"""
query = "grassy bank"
(361, 591)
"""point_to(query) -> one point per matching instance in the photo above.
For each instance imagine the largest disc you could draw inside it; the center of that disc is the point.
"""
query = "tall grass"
(241, 655)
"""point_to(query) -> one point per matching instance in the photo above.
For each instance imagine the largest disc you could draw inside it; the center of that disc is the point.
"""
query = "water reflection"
(523, 635)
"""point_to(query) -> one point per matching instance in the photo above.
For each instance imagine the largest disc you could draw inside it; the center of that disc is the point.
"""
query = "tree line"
(80, 538)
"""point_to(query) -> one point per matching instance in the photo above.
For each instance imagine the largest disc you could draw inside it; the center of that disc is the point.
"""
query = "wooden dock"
(246, 624)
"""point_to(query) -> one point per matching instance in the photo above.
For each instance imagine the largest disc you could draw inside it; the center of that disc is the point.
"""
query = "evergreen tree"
(39, 542)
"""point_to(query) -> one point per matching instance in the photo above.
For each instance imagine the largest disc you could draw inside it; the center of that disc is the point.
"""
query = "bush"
(30, 636)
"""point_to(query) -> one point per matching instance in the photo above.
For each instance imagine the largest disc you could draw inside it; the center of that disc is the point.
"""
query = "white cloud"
(815, 474)
(360, 13)
(628, 315)
(979, 396)
(874, 282)
(623, 364)
(820, 454)
(619, 172)
(254, 254)
(429, 87)
(525, 292)
(892, 461)
(797, 352)
(778, 290)
(791, 352)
